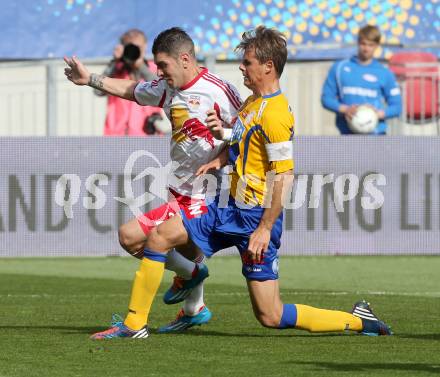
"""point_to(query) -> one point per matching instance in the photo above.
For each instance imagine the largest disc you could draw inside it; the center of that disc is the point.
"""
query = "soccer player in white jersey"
(186, 92)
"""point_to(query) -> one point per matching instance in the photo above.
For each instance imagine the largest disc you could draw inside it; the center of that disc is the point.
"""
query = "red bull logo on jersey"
(194, 130)
(194, 101)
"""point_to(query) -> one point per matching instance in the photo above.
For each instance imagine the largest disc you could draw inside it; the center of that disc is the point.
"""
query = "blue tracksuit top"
(351, 83)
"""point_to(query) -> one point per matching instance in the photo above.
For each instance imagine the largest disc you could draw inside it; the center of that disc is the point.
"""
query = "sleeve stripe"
(231, 99)
(162, 100)
(233, 93)
(231, 96)
(149, 92)
(280, 151)
(134, 93)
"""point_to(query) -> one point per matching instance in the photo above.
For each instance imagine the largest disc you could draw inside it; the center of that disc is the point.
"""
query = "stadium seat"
(418, 74)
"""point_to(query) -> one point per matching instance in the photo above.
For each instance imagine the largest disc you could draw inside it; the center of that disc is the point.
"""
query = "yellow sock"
(145, 286)
(322, 320)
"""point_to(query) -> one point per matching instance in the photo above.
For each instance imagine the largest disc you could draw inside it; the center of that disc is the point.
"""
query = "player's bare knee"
(135, 252)
(127, 241)
(269, 320)
(124, 237)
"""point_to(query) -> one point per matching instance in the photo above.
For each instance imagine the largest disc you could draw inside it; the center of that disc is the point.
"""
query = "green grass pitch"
(48, 308)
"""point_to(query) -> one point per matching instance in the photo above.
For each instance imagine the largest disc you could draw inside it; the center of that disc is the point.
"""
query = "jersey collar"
(277, 93)
(194, 80)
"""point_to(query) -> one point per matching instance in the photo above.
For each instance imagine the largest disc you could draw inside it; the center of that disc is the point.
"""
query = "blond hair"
(269, 44)
(370, 33)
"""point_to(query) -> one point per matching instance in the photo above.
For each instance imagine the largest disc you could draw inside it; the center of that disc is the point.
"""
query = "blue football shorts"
(221, 228)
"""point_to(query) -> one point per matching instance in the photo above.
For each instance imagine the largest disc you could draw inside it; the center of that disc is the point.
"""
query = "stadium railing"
(37, 100)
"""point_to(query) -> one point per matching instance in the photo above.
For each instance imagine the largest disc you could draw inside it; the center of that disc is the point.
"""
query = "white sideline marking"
(240, 294)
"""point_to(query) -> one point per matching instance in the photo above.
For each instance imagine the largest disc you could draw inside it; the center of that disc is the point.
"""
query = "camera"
(131, 54)
(150, 123)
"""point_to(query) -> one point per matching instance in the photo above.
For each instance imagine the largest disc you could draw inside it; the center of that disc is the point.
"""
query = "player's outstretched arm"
(77, 73)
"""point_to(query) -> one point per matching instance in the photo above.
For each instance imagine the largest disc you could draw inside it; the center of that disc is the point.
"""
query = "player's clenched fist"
(214, 124)
(76, 71)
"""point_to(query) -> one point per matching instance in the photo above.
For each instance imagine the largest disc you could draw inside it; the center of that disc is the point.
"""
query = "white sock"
(179, 264)
(194, 302)
(184, 267)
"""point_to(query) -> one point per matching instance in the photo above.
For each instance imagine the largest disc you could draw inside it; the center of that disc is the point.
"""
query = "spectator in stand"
(362, 80)
(127, 117)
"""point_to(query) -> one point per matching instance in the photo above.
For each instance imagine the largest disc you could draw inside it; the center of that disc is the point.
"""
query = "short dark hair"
(269, 44)
(173, 41)
(370, 33)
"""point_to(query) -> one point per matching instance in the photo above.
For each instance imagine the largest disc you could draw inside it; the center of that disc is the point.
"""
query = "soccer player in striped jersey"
(185, 91)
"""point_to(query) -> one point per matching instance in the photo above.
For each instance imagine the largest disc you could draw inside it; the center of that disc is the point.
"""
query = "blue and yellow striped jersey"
(261, 142)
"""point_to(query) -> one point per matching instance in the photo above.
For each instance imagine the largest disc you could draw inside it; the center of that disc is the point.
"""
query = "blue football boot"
(119, 330)
(183, 321)
(372, 326)
(181, 288)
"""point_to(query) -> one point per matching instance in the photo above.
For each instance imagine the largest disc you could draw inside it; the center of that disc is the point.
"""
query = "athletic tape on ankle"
(288, 319)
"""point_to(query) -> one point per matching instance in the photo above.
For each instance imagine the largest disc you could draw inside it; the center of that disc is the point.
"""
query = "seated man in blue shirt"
(362, 80)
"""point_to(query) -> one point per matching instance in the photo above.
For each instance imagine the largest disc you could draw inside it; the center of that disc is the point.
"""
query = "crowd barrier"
(37, 100)
(353, 195)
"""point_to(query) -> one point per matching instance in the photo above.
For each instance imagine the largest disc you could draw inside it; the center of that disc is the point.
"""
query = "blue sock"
(154, 255)
(288, 319)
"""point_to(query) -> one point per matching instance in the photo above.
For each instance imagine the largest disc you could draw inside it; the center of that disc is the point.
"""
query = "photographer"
(126, 117)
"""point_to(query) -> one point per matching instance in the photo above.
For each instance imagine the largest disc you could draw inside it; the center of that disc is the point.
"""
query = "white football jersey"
(192, 144)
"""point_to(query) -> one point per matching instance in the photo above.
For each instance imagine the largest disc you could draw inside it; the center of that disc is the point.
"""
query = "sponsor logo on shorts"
(275, 266)
(195, 209)
(253, 269)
